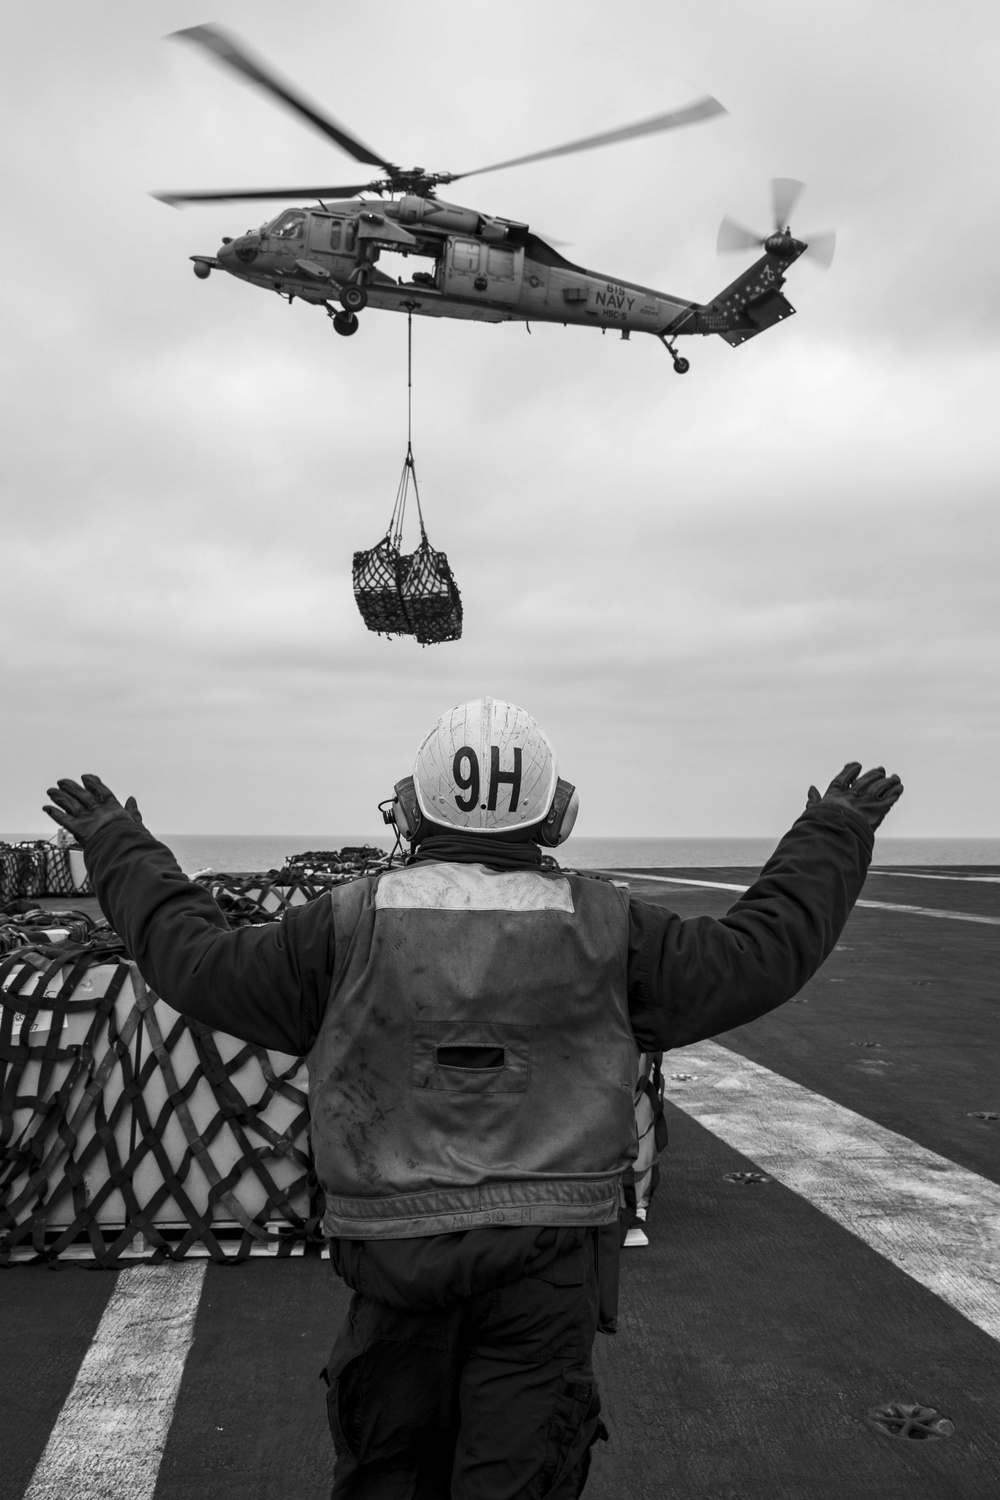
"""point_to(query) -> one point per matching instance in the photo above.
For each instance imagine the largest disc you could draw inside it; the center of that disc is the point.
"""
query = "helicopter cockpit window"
(500, 263)
(336, 229)
(465, 256)
(289, 226)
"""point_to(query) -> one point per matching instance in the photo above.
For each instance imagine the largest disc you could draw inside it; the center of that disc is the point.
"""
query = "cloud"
(711, 590)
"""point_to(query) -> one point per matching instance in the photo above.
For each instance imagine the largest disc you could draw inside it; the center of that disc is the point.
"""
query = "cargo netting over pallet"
(128, 1131)
(36, 867)
(251, 899)
(26, 924)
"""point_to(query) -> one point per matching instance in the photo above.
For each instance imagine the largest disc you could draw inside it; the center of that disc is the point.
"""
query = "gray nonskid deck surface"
(755, 1331)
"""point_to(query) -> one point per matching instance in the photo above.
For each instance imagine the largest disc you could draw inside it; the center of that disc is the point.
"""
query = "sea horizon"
(245, 853)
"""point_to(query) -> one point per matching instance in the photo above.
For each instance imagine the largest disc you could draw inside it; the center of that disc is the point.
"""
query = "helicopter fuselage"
(484, 269)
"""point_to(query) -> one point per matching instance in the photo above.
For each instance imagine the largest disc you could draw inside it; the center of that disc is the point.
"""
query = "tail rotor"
(785, 193)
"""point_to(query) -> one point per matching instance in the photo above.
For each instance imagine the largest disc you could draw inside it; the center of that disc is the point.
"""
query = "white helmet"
(486, 767)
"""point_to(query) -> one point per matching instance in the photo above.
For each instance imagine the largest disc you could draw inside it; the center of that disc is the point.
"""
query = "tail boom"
(748, 306)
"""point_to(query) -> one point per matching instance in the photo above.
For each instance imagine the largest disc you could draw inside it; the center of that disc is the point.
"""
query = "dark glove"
(84, 809)
(870, 796)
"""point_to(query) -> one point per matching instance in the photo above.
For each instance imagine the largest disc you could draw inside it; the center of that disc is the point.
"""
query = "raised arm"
(693, 979)
(266, 985)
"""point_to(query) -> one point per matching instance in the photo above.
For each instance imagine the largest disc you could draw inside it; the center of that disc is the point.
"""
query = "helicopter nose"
(245, 249)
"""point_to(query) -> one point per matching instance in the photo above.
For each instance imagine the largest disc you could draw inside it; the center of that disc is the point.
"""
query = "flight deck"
(822, 1276)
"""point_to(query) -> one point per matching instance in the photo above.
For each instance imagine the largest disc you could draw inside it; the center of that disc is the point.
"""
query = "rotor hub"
(780, 243)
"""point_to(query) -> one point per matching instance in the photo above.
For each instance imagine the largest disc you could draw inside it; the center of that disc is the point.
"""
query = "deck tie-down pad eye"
(900, 1419)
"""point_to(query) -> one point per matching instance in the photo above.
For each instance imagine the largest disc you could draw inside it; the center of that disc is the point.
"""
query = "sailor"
(473, 1023)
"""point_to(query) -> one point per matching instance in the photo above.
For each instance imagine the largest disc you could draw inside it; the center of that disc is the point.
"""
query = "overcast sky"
(710, 590)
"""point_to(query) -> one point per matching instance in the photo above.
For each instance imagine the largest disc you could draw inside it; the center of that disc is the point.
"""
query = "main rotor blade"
(703, 109)
(784, 196)
(820, 247)
(237, 195)
(177, 200)
(236, 57)
(733, 236)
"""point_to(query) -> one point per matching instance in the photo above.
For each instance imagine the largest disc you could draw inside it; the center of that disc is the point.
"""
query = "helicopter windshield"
(289, 226)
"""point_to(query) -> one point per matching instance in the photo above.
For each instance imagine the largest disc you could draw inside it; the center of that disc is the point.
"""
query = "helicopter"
(481, 267)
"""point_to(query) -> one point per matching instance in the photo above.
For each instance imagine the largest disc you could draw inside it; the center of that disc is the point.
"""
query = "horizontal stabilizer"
(763, 313)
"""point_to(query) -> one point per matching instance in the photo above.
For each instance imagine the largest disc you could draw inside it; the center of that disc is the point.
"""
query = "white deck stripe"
(715, 885)
(933, 911)
(720, 885)
(934, 1220)
(109, 1438)
(923, 875)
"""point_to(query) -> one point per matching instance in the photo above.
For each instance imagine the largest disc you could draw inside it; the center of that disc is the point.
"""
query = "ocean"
(266, 851)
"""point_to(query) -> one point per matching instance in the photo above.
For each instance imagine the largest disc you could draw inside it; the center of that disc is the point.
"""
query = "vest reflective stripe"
(444, 887)
(475, 1064)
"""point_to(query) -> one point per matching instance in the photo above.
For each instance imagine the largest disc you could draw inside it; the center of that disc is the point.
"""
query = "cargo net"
(430, 595)
(127, 1130)
(34, 867)
(249, 900)
(412, 593)
(26, 924)
(376, 589)
(346, 863)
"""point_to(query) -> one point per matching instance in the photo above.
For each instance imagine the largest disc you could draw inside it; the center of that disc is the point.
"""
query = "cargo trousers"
(491, 1399)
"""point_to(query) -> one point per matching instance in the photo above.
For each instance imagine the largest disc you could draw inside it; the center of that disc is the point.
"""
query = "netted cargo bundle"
(34, 867)
(249, 900)
(430, 595)
(376, 589)
(415, 594)
(360, 859)
(25, 924)
(127, 1130)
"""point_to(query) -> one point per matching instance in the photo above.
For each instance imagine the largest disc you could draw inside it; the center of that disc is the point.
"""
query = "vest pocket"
(471, 1057)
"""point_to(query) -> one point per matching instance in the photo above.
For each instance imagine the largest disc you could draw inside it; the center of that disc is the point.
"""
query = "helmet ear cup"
(405, 812)
(556, 827)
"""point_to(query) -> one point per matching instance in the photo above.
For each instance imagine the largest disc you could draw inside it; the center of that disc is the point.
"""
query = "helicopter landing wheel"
(353, 298)
(345, 323)
(681, 365)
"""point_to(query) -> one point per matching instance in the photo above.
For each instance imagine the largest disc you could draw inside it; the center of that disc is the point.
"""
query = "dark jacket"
(686, 981)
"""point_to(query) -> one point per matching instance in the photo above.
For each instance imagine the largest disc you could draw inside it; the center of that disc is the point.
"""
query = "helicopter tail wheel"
(353, 298)
(345, 323)
(681, 365)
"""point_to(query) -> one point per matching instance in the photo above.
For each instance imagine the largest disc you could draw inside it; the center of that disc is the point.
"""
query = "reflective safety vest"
(475, 1063)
